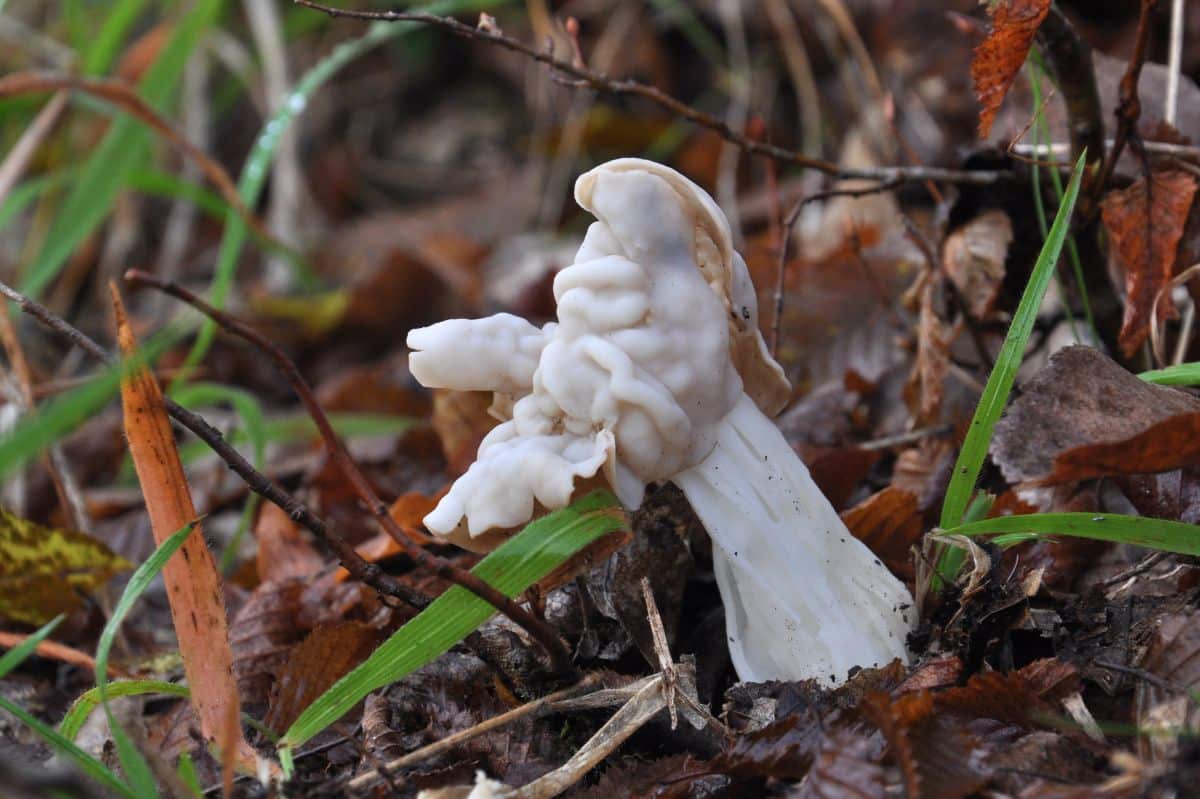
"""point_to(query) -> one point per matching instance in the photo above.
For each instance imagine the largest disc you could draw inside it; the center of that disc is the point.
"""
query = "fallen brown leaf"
(321, 659)
(1170, 444)
(1144, 222)
(889, 523)
(1081, 397)
(1000, 56)
(973, 257)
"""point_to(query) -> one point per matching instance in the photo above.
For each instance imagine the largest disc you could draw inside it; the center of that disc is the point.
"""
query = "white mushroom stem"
(803, 597)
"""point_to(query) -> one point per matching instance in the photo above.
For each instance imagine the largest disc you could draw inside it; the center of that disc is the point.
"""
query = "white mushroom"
(656, 371)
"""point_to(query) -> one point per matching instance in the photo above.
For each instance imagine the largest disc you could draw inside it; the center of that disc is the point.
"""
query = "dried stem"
(542, 632)
(581, 76)
(1070, 61)
(1129, 106)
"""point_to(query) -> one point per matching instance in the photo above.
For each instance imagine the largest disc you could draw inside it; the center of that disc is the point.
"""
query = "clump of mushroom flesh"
(654, 371)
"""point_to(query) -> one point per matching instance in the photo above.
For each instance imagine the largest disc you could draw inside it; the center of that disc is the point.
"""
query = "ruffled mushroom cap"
(724, 270)
(656, 339)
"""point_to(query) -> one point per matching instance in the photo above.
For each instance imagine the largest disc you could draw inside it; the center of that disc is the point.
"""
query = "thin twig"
(1129, 106)
(578, 76)
(1174, 60)
(368, 573)
(542, 632)
(450, 741)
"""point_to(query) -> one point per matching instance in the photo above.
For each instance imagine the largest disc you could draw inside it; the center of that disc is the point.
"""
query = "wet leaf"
(1081, 397)
(1144, 223)
(846, 767)
(46, 571)
(1167, 445)
(889, 523)
(321, 659)
(1000, 57)
(784, 749)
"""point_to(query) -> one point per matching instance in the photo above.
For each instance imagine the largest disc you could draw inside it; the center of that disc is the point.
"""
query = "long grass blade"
(1141, 531)
(17, 655)
(123, 147)
(87, 702)
(1000, 381)
(135, 766)
(1184, 374)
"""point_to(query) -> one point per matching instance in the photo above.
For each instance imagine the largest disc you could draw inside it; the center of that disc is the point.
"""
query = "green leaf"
(89, 700)
(258, 163)
(124, 146)
(16, 656)
(1000, 381)
(1184, 374)
(1139, 531)
(45, 571)
(512, 568)
(136, 769)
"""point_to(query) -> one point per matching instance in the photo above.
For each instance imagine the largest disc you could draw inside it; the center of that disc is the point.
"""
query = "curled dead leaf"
(1144, 223)
(973, 257)
(1000, 56)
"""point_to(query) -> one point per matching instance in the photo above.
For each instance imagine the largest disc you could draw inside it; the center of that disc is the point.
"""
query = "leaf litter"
(1046, 668)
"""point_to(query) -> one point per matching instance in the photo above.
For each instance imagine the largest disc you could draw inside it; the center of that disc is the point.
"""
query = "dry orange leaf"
(999, 58)
(193, 584)
(408, 511)
(1169, 444)
(1144, 224)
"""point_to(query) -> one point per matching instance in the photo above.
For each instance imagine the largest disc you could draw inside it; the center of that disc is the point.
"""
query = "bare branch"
(580, 76)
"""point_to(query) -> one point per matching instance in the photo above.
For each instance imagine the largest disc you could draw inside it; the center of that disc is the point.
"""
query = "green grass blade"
(16, 656)
(517, 564)
(258, 163)
(89, 700)
(299, 426)
(62, 414)
(1141, 531)
(122, 148)
(1184, 374)
(136, 769)
(24, 194)
(1000, 381)
(105, 43)
(89, 765)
